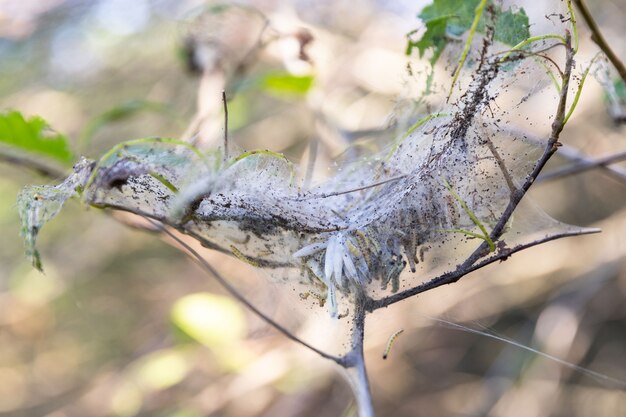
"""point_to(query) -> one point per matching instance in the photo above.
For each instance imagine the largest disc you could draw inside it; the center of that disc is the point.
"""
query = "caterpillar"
(390, 343)
(243, 257)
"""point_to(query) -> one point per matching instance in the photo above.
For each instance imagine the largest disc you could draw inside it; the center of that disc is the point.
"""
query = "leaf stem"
(580, 87)
(485, 235)
(572, 18)
(477, 15)
(530, 40)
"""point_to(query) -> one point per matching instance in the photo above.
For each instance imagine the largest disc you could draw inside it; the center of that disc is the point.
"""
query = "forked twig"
(225, 125)
(470, 265)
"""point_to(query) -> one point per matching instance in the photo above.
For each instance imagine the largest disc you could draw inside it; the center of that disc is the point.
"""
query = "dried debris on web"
(385, 223)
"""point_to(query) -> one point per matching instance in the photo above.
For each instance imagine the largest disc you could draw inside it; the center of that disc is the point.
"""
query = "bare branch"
(467, 267)
(354, 361)
(45, 169)
(583, 166)
(598, 38)
(225, 125)
(354, 190)
(572, 154)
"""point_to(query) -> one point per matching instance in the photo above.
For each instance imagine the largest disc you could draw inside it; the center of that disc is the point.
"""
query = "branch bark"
(467, 267)
(585, 165)
(598, 38)
(45, 169)
(354, 361)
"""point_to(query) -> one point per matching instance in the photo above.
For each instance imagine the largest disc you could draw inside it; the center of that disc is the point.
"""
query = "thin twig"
(545, 57)
(225, 125)
(205, 242)
(582, 167)
(468, 267)
(353, 190)
(310, 166)
(598, 38)
(505, 172)
(570, 153)
(237, 295)
(38, 166)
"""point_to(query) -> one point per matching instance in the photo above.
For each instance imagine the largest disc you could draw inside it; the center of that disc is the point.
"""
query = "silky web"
(485, 331)
(387, 221)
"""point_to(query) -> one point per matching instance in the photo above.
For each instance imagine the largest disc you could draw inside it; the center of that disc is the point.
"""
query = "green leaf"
(459, 12)
(434, 37)
(161, 369)
(447, 19)
(511, 27)
(33, 136)
(282, 83)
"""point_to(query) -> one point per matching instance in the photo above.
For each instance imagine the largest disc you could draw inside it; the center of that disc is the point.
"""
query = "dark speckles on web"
(376, 218)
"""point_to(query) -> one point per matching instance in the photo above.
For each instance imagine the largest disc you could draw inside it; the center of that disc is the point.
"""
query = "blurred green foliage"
(283, 83)
(121, 112)
(33, 135)
(449, 19)
(100, 334)
(213, 320)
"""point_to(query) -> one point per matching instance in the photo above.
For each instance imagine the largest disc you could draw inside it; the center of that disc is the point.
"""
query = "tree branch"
(598, 38)
(584, 165)
(45, 169)
(354, 361)
(467, 267)
(572, 154)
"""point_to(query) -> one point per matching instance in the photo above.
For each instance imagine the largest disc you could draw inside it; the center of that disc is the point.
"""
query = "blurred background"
(124, 324)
